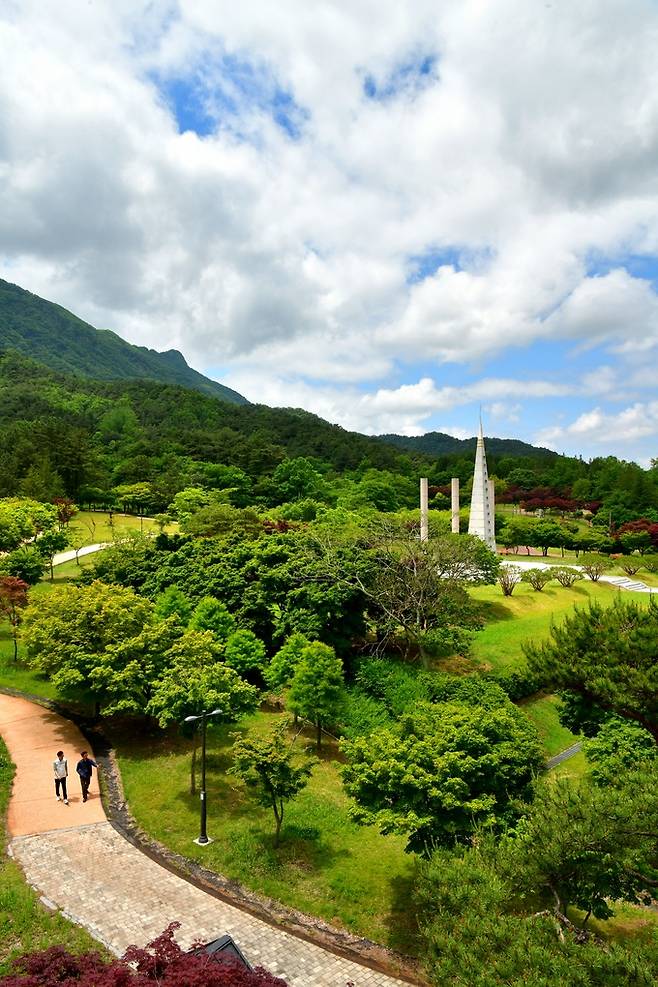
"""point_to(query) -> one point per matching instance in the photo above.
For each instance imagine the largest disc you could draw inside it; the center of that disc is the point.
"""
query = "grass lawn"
(25, 925)
(95, 526)
(349, 875)
(543, 712)
(527, 615)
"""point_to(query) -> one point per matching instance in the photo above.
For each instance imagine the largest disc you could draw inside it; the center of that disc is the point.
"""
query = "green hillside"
(440, 444)
(55, 337)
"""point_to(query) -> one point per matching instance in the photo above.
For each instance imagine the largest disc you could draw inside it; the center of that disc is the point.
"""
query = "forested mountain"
(55, 337)
(441, 444)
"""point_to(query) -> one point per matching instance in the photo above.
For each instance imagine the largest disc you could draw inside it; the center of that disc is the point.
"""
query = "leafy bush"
(163, 963)
(362, 714)
(518, 684)
(566, 575)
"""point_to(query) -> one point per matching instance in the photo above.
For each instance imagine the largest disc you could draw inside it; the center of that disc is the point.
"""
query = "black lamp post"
(203, 835)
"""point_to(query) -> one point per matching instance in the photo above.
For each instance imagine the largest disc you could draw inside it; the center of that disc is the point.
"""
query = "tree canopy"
(607, 657)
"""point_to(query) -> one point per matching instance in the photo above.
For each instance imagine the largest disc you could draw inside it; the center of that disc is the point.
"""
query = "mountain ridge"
(442, 444)
(51, 335)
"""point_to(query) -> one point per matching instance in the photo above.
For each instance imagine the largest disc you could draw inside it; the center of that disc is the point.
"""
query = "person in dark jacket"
(84, 768)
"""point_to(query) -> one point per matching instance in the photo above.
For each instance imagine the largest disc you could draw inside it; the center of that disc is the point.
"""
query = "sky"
(390, 214)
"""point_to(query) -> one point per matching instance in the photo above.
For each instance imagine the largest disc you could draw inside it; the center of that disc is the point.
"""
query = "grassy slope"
(527, 615)
(348, 875)
(25, 925)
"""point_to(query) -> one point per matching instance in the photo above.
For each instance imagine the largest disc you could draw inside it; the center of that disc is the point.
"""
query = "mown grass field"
(510, 621)
(349, 875)
(100, 526)
(25, 925)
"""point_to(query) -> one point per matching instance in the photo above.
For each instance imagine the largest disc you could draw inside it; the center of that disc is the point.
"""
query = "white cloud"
(533, 146)
(595, 427)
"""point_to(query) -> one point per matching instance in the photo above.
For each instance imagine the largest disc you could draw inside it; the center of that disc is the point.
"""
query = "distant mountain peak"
(50, 334)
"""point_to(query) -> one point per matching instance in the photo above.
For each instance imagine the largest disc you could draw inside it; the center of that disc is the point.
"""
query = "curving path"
(79, 863)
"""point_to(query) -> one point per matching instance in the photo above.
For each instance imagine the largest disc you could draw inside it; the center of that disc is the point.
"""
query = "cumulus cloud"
(626, 427)
(334, 144)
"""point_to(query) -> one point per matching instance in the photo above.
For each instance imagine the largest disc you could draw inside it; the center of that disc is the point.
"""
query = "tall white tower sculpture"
(481, 519)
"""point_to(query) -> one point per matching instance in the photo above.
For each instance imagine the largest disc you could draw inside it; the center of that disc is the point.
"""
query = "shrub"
(508, 577)
(162, 963)
(537, 578)
(565, 575)
(518, 684)
(594, 566)
(362, 714)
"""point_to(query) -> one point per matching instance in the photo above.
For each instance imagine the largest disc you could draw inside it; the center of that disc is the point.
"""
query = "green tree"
(594, 566)
(188, 501)
(509, 576)
(49, 544)
(296, 479)
(282, 666)
(566, 575)
(545, 535)
(173, 602)
(588, 846)
(23, 519)
(618, 747)
(487, 922)
(417, 590)
(316, 689)
(67, 632)
(518, 531)
(195, 680)
(222, 519)
(211, 615)
(127, 672)
(244, 652)
(441, 771)
(271, 772)
(606, 656)
(42, 482)
(25, 563)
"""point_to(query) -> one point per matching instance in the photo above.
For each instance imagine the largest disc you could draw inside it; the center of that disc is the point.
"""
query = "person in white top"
(61, 770)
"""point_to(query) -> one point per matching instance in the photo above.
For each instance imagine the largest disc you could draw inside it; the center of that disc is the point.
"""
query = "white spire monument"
(481, 519)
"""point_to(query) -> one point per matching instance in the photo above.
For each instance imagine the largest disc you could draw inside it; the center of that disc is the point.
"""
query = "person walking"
(61, 771)
(84, 769)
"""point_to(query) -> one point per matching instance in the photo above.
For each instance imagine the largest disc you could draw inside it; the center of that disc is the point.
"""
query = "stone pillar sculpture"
(424, 523)
(481, 519)
(454, 505)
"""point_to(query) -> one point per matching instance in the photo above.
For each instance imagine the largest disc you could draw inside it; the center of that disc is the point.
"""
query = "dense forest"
(63, 435)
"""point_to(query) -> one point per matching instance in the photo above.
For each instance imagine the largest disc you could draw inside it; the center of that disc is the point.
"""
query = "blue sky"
(388, 215)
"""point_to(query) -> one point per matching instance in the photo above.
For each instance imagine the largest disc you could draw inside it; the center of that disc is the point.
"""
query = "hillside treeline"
(68, 436)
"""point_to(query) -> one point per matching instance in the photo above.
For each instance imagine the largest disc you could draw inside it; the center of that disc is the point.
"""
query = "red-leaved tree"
(162, 962)
(13, 599)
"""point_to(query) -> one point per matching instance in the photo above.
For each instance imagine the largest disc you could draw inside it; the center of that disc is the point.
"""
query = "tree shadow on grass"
(402, 920)
(494, 610)
(301, 851)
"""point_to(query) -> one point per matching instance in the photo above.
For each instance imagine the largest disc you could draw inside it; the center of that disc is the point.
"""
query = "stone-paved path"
(77, 861)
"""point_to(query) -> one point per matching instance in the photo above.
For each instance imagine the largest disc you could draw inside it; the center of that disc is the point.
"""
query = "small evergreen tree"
(317, 686)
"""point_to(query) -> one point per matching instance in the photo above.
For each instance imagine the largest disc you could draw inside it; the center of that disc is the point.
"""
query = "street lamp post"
(203, 835)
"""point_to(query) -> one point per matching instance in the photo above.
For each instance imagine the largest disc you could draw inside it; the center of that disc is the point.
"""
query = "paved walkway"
(78, 861)
(70, 555)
